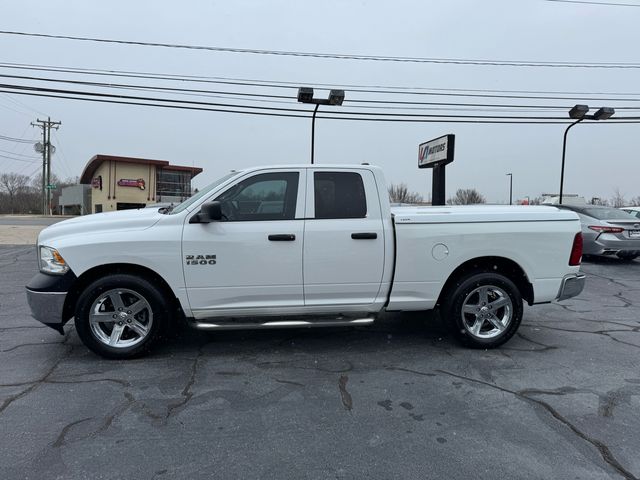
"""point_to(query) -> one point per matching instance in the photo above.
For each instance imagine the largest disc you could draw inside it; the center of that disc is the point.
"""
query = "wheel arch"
(114, 268)
(505, 266)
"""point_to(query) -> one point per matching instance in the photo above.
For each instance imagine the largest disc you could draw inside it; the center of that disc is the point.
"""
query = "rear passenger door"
(343, 252)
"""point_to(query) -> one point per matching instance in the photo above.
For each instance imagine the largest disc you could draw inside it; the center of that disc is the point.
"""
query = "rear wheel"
(484, 310)
(121, 316)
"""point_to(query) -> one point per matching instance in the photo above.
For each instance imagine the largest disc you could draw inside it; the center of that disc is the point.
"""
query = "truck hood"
(129, 220)
(480, 213)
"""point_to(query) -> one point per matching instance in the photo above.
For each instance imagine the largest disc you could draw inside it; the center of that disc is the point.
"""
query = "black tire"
(464, 294)
(96, 300)
(627, 257)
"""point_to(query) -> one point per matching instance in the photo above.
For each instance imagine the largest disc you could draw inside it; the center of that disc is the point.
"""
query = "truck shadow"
(391, 330)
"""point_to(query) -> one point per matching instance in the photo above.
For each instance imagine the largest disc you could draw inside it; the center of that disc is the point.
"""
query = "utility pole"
(46, 126)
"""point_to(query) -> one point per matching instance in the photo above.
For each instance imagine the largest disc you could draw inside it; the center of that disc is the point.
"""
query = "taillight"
(601, 229)
(576, 250)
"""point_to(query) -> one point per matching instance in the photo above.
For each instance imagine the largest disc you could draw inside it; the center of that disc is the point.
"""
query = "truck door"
(343, 256)
(253, 258)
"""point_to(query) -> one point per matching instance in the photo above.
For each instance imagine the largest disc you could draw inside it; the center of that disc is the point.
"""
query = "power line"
(289, 97)
(252, 107)
(19, 147)
(13, 139)
(375, 89)
(379, 103)
(18, 159)
(339, 56)
(274, 83)
(596, 3)
(630, 120)
(3, 105)
(62, 155)
(18, 154)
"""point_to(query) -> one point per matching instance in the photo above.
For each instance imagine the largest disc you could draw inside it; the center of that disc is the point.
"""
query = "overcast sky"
(600, 157)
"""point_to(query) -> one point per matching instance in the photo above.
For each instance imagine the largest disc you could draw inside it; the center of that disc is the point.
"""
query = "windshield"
(202, 193)
(608, 214)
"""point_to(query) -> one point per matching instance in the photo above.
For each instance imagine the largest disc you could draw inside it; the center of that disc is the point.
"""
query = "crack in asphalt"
(36, 383)
(535, 342)
(318, 368)
(20, 327)
(604, 333)
(345, 396)
(186, 393)
(18, 254)
(30, 345)
(417, 372)
(60, 441)
(616, 282)
(289, 382)
(107, 421)
(603, 449)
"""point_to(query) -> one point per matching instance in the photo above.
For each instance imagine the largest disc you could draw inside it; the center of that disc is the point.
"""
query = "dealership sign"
(128, 182)
(436, 152)
(96, 182)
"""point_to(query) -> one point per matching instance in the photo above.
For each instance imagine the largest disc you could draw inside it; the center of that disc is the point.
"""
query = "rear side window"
(339, 195)
(268, 196)
(608, 214)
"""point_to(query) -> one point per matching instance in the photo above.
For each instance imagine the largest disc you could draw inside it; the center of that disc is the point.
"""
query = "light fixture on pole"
(579, 113)
(510, 188)
(305, 95)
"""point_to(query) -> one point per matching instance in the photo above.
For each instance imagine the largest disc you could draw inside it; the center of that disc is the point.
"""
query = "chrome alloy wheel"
(487, 311)
(120, 318)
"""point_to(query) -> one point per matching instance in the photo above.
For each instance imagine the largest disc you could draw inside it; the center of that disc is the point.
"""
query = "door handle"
(364, 236)
(282, 237)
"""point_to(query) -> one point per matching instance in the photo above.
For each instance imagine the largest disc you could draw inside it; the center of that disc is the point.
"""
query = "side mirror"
(209, 212)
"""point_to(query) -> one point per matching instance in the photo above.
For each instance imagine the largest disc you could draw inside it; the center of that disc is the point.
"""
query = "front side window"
(267, 196)
(339, 195)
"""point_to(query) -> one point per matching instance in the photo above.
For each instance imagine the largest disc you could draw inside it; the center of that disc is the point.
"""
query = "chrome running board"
(231, 325)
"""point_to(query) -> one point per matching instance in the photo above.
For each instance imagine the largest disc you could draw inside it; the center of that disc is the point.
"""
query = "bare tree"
(400, 194)
(11, 185)
(635, 201)
(618, 199)
(466, 196)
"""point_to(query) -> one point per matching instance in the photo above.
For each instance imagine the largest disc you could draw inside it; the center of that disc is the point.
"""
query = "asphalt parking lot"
(397, 400)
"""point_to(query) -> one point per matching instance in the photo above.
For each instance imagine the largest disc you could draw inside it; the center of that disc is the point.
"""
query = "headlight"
(52, 262)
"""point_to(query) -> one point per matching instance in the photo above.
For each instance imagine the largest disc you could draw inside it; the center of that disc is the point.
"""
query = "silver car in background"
(635, 211)
(608, 231)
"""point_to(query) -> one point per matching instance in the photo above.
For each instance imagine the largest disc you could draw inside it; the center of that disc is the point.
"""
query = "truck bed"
(479, 214)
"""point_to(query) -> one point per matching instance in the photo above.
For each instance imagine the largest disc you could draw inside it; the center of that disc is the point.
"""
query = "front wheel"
(627, 257)
(121, 316)
(484, 310)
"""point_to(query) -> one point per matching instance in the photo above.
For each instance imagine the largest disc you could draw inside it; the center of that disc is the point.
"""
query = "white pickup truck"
(300, 246)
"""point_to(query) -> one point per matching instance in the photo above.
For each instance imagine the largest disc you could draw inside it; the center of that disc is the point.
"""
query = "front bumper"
(572, 285)
(46, 295)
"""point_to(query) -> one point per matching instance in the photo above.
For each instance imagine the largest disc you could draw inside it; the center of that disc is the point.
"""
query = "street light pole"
(313, 131)
(305, 95)
(579, 113)
(564, 152)
(510, 188)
